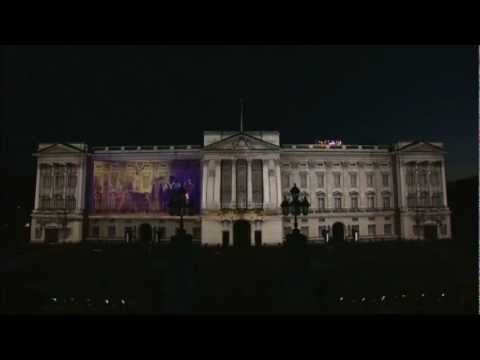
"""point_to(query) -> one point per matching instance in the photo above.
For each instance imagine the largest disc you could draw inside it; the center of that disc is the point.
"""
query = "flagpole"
(242, 105)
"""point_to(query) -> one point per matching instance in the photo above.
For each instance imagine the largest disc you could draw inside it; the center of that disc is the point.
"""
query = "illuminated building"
(236, 182)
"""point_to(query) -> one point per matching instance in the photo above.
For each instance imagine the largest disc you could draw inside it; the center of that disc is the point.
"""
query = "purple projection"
(143, 186)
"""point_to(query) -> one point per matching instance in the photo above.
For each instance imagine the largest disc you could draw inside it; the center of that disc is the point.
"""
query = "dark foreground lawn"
(385, 278)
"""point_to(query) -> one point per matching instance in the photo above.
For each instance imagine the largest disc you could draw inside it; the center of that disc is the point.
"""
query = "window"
(423, 178)
(371, 201)
(321, 203)
(387, 229)
(437, 200)
(70, 202)
(111, 231)
(226, 183)
(356, 228)
(304, 230)
(72, 181)
(372, 230)
(286, 180)
(385, 180)
(197, 233)
(303, 179)
(416, 230)
(410, 177)
(95, 230)
(59, 178)
(58, 202)
(241, 183)
(443, 229)
(435, 178)
(162, 232)
(321, 231)
(46, 177)
(336, 180)
(353, 180)
(411, 200)
(338, 202)
(369, 180)
(45, 202)
(320, 180)
(386, 202)
(257, 182)
(354, 201)
(424, 199)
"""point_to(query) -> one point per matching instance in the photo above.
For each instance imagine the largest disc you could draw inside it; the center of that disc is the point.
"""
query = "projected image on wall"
(143, 186)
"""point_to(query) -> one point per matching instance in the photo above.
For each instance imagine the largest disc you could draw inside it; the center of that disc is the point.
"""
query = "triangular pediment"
(241, 142)
(60, 148)
(421, 147)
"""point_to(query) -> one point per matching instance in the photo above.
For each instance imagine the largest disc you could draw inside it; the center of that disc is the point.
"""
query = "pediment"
(241, 142)
(60, 148)
(421, 147)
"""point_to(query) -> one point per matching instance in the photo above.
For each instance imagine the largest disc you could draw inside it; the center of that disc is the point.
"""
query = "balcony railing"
(235, 206)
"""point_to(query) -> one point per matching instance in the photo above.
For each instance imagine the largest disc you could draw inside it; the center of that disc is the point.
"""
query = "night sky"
(162, 95)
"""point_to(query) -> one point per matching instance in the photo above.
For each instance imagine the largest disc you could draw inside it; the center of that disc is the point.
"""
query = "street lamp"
(180, 204)
(295, 206)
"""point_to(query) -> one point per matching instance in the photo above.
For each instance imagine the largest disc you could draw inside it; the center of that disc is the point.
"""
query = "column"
(204, 184)
(266, 189)
(64, 167)
(217, 184)
(37, 188)
(444, 189)
(279, 185)
(249, 184)
(82, 172)
(234, 183)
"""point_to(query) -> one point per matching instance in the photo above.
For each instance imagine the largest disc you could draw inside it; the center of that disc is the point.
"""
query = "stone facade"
(377, 192)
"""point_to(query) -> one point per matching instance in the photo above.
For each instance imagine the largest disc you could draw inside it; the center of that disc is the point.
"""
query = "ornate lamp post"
(295, 206)
(179, 205)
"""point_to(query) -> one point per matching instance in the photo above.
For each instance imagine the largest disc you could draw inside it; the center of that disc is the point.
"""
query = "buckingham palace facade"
(235, 183)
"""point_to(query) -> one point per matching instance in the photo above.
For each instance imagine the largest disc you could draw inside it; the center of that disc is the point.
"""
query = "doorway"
(51, 235)
(145, 232)
(430, 232)
(338, 231)
(241, 233)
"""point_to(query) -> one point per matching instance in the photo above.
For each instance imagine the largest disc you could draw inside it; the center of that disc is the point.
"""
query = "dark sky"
(111, 95)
